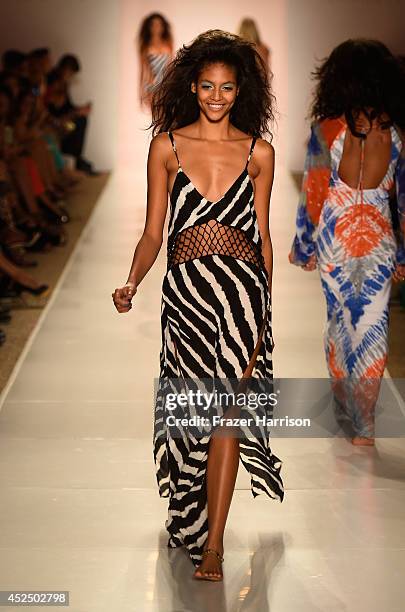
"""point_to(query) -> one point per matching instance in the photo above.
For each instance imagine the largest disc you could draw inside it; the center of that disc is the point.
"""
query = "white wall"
(315, 27)
(88, 29)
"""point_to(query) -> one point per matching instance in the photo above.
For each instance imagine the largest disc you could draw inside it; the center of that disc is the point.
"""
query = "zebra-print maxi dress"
(215, 304)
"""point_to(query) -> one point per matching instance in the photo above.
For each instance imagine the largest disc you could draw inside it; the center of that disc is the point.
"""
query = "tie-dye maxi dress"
(352, 235)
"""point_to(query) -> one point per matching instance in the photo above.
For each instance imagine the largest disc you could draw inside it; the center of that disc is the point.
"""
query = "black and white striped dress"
(215, 303)
(158, 63)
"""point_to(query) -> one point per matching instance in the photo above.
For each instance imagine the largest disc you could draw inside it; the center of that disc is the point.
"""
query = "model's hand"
(122, 297)
(399, 273)
(310, 265)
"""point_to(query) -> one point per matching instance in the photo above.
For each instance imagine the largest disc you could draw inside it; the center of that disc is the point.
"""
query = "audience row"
(42, 137)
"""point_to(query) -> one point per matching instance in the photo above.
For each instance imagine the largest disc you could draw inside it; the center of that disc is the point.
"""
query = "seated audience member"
(12, 82)
(38, 124)
(28, 134)
(15, 62)
(23, 220)
(61, 106)
(39, 61)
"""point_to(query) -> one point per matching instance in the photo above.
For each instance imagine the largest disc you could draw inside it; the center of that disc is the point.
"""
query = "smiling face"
(216, 90)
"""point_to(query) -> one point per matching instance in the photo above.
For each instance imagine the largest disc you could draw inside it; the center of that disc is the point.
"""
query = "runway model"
(354, 161)
(208, 114)
(155, 45)
(248, 29)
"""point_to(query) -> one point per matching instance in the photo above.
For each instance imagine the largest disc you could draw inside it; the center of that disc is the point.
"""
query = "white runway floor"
(80, 508)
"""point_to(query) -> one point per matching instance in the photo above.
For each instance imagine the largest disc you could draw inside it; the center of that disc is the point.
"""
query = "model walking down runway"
(344, 225)
(155, 44)
(213, 105)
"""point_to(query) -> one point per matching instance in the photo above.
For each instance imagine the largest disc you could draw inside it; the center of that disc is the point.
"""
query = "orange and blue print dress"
(356, 251)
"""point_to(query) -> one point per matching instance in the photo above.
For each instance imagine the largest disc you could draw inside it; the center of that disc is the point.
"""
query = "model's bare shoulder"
(265, 148)
(264, 154)
(160, 147)
(161, 142)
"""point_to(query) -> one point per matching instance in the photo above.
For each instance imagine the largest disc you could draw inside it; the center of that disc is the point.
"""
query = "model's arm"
(400, 193)
(315, 184)
(148, 247)
(141, 73)
(264, 158)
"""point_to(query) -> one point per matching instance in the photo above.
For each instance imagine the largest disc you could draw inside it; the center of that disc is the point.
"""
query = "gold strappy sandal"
(205, 575)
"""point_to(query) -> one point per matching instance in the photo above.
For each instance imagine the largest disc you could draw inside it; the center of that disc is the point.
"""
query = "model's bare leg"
(222, 469)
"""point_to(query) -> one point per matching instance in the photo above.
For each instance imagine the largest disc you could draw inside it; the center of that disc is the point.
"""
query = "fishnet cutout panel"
(213, 238)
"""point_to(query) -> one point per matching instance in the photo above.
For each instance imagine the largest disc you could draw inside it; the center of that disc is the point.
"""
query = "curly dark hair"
(360, 74)
(145, 34)
(174, 105)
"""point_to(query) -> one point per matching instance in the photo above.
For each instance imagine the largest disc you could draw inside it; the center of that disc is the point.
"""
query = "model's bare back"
(377, 157)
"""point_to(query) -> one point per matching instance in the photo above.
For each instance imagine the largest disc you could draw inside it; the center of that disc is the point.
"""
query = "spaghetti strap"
(174, 146)
(252, 146)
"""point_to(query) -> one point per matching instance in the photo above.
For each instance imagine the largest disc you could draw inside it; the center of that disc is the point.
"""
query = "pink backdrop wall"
(102, 33)
(189, 19)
